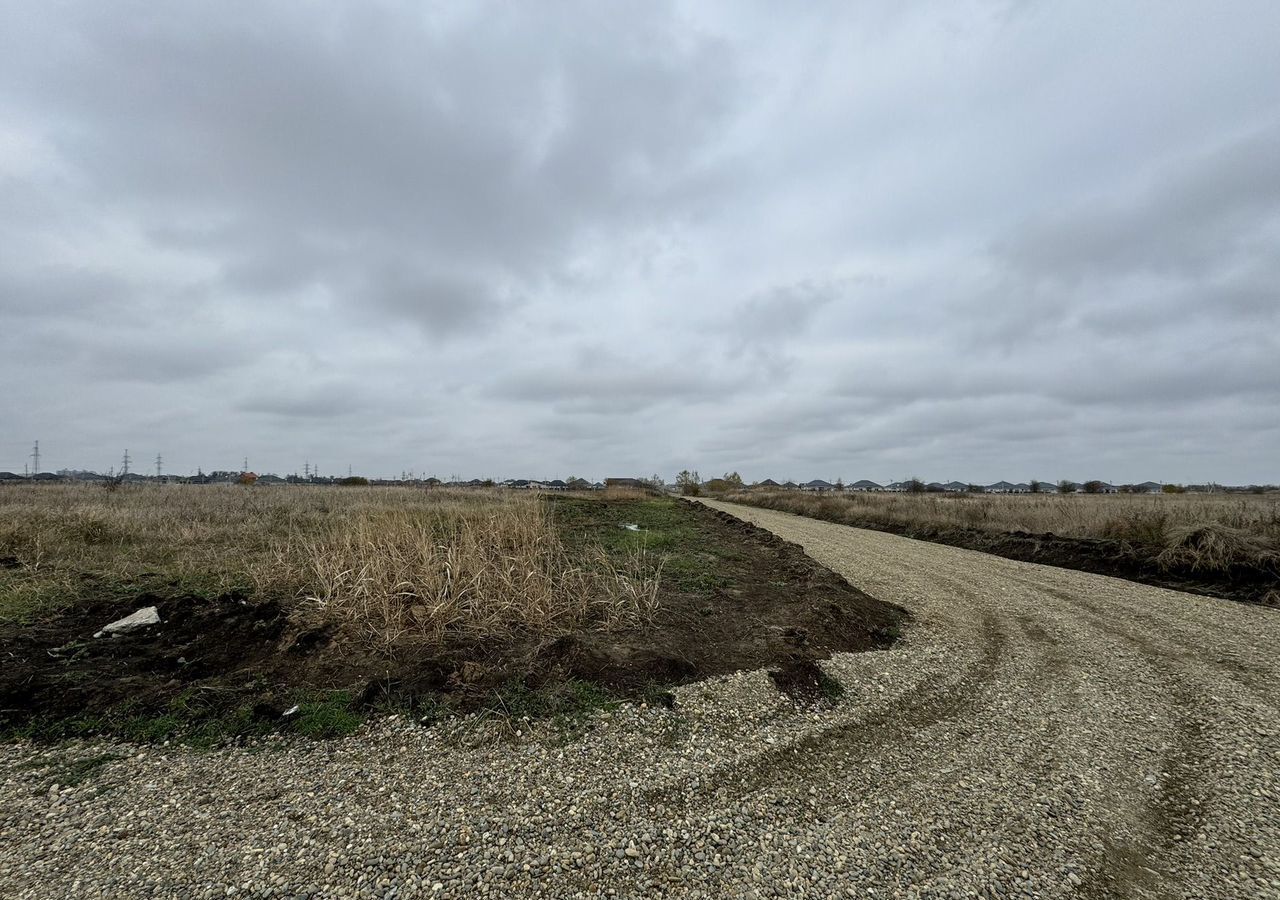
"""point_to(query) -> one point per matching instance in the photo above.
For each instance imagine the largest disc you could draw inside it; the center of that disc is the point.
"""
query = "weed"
(327, 715)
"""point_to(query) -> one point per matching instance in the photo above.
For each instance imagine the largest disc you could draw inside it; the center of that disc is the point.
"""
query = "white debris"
(147, 616)
(291, 710)
(631, 527)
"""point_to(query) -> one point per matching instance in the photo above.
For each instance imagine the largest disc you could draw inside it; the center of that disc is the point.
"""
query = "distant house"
(896, 486)
(955, 486)
(790, 486)
(767, 484)
(1000, 487)
(557, 485)
(817, 485)
(864, 485)
(1150, 487)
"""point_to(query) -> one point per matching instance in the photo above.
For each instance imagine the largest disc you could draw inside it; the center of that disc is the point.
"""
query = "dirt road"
(1037, 733)
(1130, 728)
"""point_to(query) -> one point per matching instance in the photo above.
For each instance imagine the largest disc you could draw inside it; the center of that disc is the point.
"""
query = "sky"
(960, 240)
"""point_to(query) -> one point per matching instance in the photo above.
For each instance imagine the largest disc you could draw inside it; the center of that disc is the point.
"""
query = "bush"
(354, 481)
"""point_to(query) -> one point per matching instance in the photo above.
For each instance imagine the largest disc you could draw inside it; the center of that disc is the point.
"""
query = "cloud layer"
(971, 241)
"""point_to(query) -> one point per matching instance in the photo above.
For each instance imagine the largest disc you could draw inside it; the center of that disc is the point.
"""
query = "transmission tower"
(35, 459)
(306, 470)
(246, 465)
(124, 466)
(159, 462)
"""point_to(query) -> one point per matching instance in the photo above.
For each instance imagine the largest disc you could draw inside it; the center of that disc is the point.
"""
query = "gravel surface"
(1038, 733)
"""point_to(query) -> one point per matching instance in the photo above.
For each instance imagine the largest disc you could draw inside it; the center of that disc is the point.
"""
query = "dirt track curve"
(1131, 728)
(1038, 733)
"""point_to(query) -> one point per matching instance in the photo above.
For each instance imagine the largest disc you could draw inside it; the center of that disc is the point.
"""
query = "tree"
(975, 489)
(915, 486)
(1066, 487)
(689, 483)
(734, 480)
(1035, 487)
(839, 484)
(1173, 489)
(656, 480)
(1093, 487)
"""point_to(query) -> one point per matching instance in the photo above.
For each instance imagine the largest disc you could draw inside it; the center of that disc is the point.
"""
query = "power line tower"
(246, 465)
(159, 462)
(35, 459)
(124, 466)
(306, 470)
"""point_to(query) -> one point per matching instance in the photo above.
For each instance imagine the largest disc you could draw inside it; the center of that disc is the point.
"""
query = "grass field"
(398, 565)
(1208, 532)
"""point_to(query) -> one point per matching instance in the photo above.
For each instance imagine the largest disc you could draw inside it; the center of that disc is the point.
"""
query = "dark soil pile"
(769, 605)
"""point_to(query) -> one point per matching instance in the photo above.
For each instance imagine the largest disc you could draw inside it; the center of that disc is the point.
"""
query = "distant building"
(817, 485)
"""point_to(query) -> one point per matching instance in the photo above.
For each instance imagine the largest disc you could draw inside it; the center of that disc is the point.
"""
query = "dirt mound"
(779, 607)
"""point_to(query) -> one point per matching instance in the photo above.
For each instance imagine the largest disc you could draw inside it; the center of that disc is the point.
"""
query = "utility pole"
(35, 459)
(246, 465)
(159, 462)
(124, 467)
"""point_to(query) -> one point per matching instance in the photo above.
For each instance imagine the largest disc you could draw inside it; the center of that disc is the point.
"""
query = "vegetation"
(1201, 532)
(689, 483)
(394, 564)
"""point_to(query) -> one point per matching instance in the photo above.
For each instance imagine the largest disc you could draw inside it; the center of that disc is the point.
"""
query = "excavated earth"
(1037, 732)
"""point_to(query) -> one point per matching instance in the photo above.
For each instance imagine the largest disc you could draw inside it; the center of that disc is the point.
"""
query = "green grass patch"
(327, 715)
(668, 528)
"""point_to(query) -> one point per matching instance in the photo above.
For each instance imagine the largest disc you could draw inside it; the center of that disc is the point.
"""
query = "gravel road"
(1038, 733)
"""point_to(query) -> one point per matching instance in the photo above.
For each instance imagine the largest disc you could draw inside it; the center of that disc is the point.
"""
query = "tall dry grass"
(1198, 531)
(464, 569)
(393, 564)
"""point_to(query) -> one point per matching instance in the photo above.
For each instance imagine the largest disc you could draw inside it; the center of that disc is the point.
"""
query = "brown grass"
(393, 564)
(475, 570)
(1204, 532)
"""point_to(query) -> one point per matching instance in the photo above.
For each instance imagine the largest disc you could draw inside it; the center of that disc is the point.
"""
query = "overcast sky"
(964, 240)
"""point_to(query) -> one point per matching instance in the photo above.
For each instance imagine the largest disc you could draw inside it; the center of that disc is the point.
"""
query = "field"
(307, 607)
(1223, 544)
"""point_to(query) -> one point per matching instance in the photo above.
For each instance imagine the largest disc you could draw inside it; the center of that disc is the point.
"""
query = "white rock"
(147, 616)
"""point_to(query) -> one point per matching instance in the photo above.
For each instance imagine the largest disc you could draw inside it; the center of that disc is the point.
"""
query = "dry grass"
(394, 564)
(479, 569)
(1198, 531)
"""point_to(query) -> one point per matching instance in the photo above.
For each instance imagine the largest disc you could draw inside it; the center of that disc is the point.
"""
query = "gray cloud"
(491, 239)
